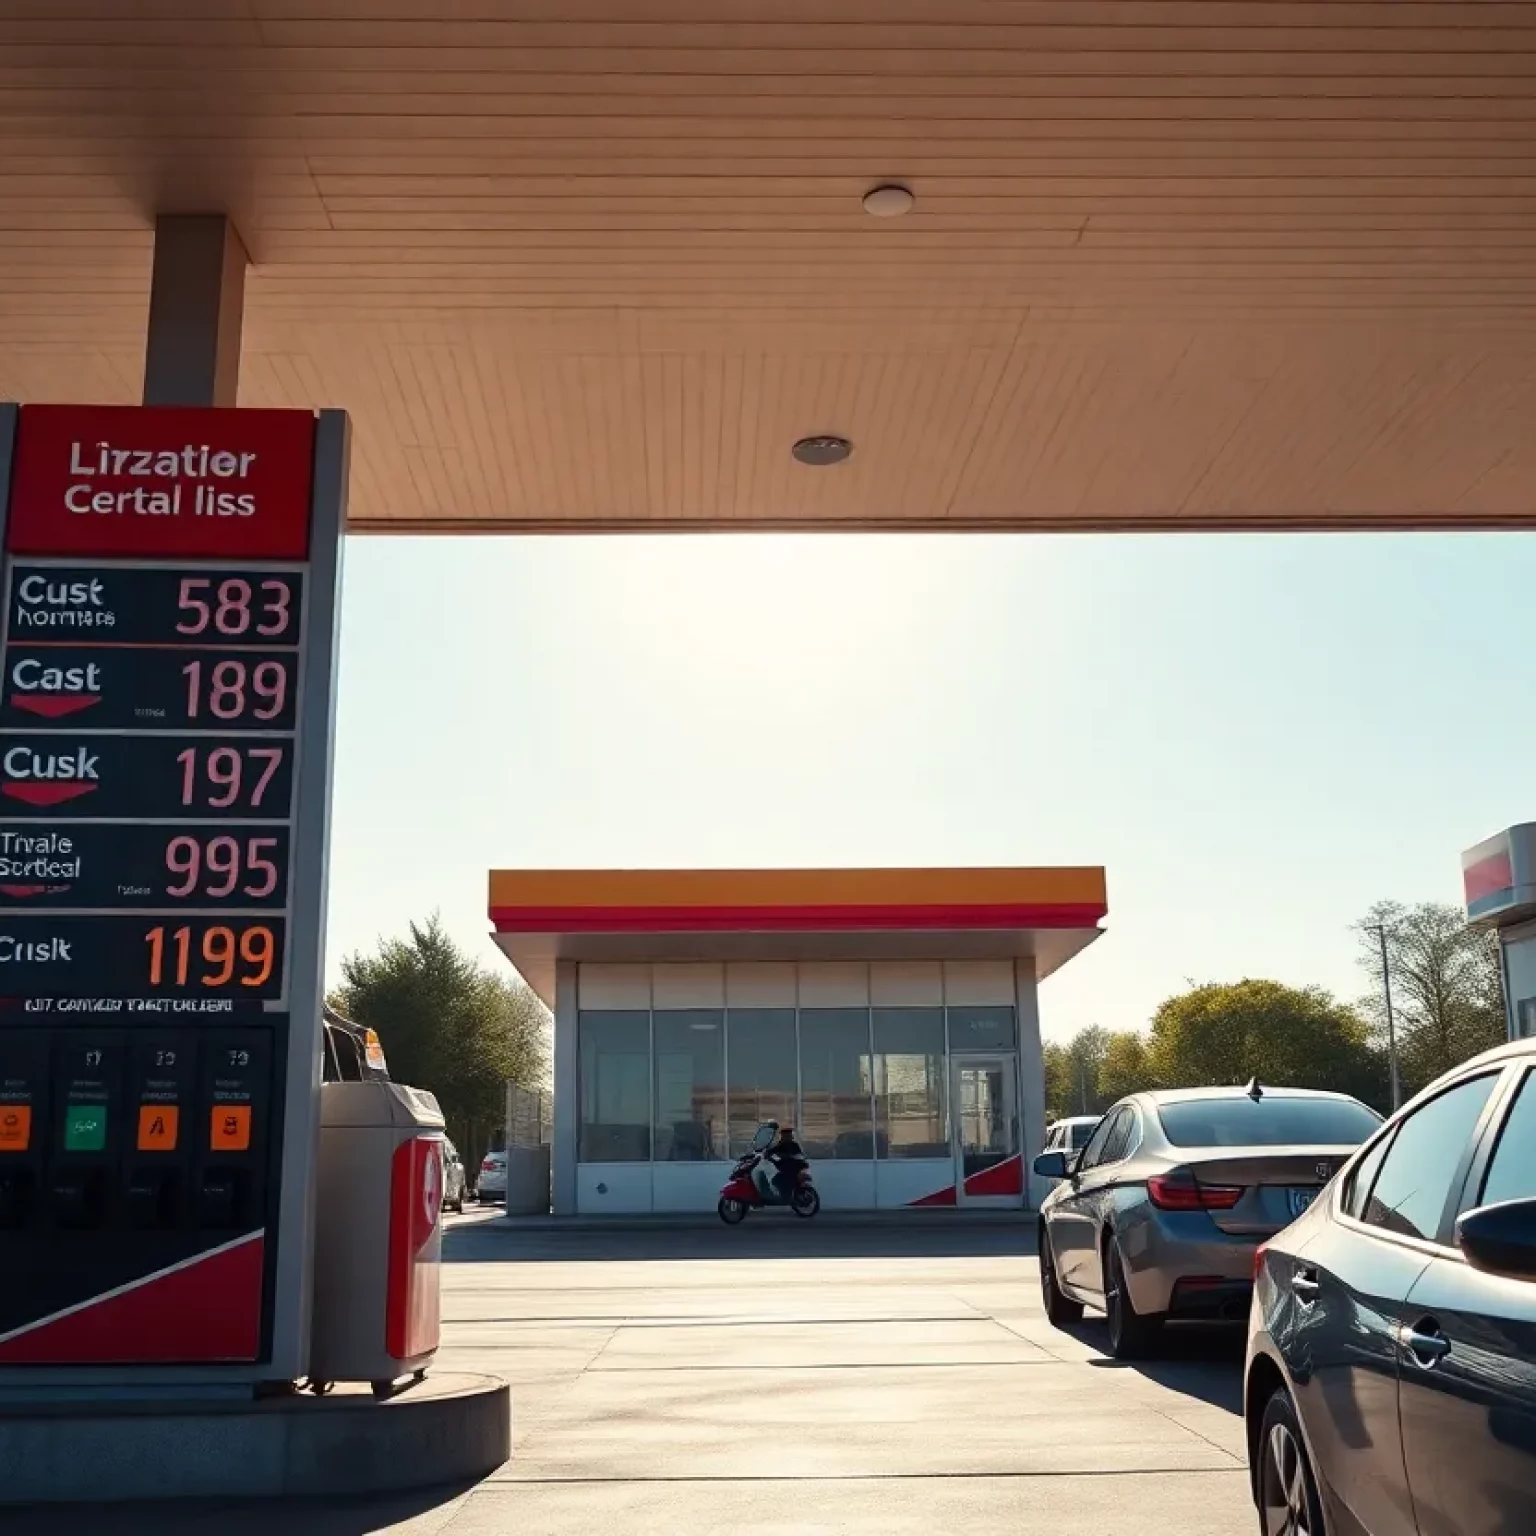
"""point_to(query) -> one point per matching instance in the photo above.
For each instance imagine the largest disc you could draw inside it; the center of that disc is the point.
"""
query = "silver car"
(1160, 1215)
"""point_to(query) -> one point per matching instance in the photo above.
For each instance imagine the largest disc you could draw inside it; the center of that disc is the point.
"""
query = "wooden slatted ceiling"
(597, 263)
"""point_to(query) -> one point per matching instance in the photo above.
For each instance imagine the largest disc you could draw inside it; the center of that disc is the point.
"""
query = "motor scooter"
(741, 1193)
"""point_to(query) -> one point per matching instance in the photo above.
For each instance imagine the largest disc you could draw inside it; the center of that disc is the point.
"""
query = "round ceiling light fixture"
(889, 200)
(822, 450)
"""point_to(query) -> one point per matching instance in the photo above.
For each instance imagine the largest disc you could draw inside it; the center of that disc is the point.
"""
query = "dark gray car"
(1160, 1215)
(1391, 1386)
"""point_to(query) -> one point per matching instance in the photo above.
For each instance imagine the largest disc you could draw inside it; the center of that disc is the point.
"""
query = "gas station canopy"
(599, 264)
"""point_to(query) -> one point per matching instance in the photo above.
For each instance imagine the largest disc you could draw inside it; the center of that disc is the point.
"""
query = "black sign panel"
(142, 865)
(145, 955)
(65, 775)
(148, 688)
(132, 605)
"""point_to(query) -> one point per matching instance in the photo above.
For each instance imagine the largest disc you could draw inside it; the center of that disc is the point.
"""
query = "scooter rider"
(763, 1169)
(788, 1159)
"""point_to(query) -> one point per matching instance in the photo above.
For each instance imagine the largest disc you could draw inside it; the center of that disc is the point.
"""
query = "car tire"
(1059, 1311)
(1132, 1334)
(1285, 1486)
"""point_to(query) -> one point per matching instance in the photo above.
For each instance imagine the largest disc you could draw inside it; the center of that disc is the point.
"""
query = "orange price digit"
(181, 943)
(257, 950)
(222, 953)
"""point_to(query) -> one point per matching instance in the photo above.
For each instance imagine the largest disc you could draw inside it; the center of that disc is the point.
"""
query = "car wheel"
(1058, 1310)
(1131, 1333)
(1287, 1491)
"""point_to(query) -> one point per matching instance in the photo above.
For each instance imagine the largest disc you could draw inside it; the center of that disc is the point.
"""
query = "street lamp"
(1380, 930)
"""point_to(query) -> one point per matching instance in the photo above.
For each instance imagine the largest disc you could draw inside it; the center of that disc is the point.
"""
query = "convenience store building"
(892, 1016)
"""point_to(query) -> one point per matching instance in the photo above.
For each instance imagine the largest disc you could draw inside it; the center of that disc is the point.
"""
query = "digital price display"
(162, 610)
(94, 865)
(47, 955)
(122, 749)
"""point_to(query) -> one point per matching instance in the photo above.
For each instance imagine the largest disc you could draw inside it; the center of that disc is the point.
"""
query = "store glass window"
(760, 1064)
(615, 1079)
(836, 1120)
(911, 1102)
(982, 1029)
(690, 1085)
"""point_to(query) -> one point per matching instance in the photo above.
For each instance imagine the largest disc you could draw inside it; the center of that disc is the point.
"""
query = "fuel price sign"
(167, 638)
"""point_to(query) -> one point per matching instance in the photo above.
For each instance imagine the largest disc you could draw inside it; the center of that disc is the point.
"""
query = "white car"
(491, 1183)
(1070, 1135)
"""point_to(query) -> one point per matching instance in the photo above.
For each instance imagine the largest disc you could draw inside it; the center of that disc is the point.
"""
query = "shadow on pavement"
(760, 1237)
(223, 1517)
(1198, 1360)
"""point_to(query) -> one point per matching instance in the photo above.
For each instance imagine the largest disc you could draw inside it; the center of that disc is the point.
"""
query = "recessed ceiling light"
(888, 201)
(822, 450)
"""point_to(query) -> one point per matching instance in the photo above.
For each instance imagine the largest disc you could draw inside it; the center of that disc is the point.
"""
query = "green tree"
(450, 1025)
(1058, 1080)
(1085, 1057)
(1298, 1037)
(1126, 1067)
(1447, 990)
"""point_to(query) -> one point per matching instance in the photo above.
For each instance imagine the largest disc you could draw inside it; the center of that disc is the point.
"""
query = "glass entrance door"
(986, 1134)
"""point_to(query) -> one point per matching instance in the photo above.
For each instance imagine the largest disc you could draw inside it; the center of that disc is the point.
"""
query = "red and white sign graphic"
(207, 1309)
(412, 1302)
(111, 480)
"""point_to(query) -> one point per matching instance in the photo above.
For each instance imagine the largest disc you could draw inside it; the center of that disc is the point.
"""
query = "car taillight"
(1220, 1197)
(1175, 1193)
(488, 1166)
(1258, 1260)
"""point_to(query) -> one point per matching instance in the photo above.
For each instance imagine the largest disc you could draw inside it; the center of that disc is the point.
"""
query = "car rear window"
(1266, 1122)
(1081, 1133)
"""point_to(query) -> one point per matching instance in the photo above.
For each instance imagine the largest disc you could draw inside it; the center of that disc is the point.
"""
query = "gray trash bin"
(379, 1238)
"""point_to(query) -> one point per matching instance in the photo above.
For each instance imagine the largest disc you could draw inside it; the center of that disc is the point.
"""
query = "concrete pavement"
(780, 1378)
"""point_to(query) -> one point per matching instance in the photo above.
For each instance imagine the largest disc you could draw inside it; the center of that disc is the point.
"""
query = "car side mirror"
(1051, 1165)
(1500, 1239)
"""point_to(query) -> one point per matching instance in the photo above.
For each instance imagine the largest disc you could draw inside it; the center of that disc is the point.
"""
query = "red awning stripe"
(788, 919)
(1488, 878)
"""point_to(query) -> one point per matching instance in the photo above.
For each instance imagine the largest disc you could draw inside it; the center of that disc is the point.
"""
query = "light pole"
(1380, 930)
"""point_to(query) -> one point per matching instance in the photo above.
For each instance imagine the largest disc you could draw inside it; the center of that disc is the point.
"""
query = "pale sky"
(1258, 736)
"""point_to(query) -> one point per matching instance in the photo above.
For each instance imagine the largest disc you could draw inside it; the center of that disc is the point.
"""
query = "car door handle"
(1305, 1285)
(1423, 1342)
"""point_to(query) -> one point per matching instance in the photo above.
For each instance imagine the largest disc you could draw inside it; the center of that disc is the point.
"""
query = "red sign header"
(173, 482)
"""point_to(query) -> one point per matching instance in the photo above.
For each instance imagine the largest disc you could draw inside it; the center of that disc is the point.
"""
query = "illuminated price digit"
(220, 955)
(274, 608)
(228, 609)
(224, 769)
(227, 683)
(232, 616)
(218, 864)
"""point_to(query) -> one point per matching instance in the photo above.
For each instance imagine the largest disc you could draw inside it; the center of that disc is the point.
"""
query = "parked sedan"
(492, 1182)
(1391, 1384)
(1161, 1214)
